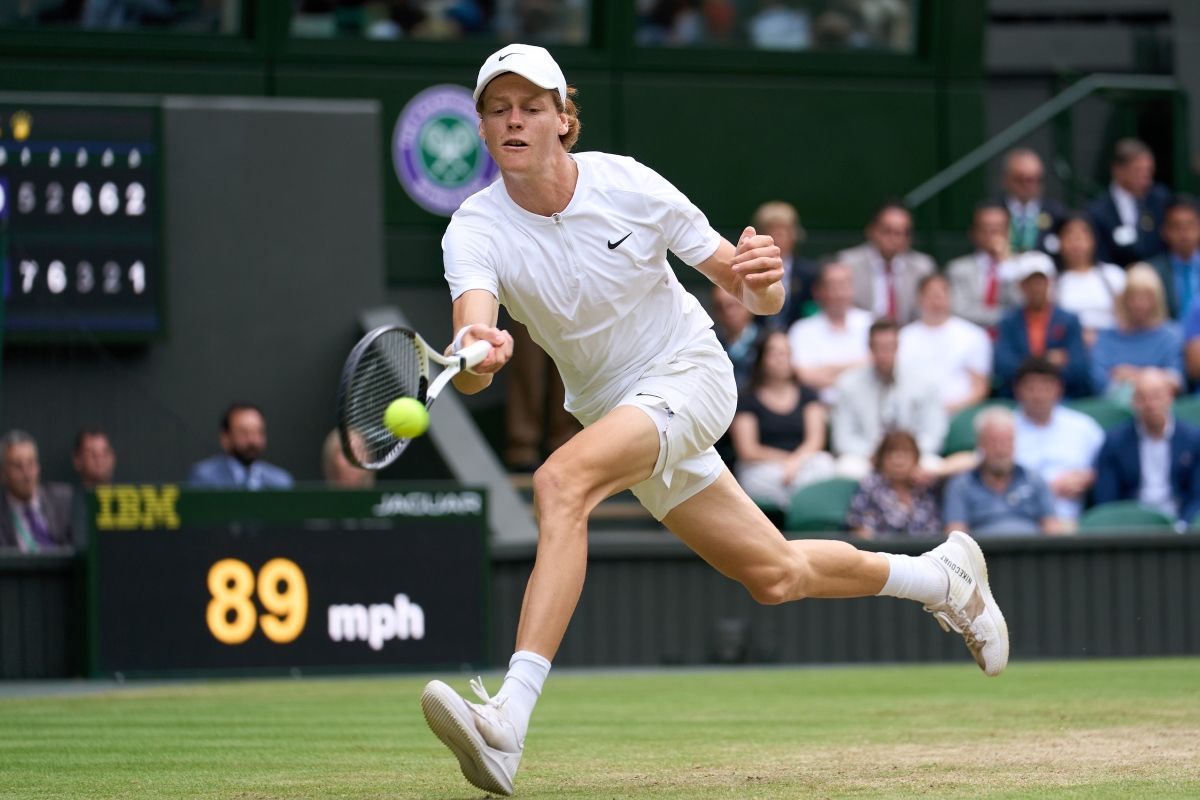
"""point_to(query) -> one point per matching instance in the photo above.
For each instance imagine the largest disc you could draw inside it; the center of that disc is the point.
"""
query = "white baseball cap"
(1034, 262)
(528, 61)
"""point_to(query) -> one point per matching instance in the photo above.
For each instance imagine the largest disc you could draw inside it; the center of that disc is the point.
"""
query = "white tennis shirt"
(592, 283)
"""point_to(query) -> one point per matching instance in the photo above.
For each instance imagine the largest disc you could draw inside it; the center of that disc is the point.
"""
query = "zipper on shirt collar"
(562, 229)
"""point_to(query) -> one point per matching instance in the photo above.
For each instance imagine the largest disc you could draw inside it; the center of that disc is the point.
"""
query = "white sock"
(921, 579)
(527, 672)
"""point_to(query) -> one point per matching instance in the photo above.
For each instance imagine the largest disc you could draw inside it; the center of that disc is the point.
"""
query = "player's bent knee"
(556, 491)
(778, 583)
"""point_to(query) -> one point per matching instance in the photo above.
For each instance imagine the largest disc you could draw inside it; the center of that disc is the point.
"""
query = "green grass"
(1042, 729)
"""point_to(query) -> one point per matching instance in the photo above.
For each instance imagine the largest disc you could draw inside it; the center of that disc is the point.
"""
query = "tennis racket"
(389, 363)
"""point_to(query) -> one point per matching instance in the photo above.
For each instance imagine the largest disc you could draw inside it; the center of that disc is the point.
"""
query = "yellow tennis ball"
(406, 418)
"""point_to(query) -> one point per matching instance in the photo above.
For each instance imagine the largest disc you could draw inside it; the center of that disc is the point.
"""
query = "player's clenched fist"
(757, 261)
(501, 342)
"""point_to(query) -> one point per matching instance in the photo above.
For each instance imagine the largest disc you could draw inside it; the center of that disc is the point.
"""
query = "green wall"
(833, 133)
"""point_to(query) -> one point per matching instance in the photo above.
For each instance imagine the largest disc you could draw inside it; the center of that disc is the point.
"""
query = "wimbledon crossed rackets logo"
(436, 149)
(448, 150)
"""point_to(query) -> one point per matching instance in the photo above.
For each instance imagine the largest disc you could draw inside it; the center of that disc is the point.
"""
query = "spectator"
(998, 497)
(981, 284)
(1145, 337)
(1191, 344)
(738, 331)
(1087, 289)
(780, 221)
(34, 517)
(1042, 330)
(954, 353)
(779, 429)
(1179, 266)
(834, 339)
(893, 500)
(1127, 217)
(1033, 216)
(1155, 458)
(778, 26)
(534, 414)
(338, 471)
(244, 440)
(886, 269)
(93, 458)
(878, 398)
(1058, 443)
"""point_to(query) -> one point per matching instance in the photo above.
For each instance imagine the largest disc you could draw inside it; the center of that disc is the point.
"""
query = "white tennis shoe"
(969, 608)
(482, 737)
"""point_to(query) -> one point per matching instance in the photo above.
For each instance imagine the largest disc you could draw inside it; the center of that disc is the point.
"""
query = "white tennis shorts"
(691, 397)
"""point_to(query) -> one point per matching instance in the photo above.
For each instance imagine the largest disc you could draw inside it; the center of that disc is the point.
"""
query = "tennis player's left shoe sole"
(452, 720)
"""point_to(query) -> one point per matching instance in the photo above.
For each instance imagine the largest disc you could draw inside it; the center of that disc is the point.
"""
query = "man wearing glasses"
(1033, 218)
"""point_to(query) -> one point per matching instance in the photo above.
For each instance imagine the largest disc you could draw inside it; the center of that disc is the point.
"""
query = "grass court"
(1062, 729)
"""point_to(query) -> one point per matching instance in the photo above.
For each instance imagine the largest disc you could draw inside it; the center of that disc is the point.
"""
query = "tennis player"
(575, 246)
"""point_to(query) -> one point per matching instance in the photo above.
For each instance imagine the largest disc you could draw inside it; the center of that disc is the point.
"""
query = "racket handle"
(474, 353)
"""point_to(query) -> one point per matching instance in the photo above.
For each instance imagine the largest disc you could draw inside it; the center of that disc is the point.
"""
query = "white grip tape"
(458, 339)
(475, 353)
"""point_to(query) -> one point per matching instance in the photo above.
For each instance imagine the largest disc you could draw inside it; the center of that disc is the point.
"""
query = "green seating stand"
(1107, 413)
(821, 506)
(1187, 408)
(1125, 516)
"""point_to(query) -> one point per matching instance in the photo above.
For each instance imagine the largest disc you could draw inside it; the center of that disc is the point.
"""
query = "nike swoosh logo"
(617, 243)
(506, 55)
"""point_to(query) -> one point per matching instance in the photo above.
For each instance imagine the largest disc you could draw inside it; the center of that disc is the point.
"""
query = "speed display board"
(175, 590)
(80, 221)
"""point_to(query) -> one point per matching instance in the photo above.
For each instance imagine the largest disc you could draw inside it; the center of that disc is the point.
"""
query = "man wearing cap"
(1040, 330)
(575, 247)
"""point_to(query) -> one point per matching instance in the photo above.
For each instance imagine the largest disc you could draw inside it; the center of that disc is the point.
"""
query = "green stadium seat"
(1125, 516)
(961, 434)
(821, 506)
(1103, 410)
(1187, 408)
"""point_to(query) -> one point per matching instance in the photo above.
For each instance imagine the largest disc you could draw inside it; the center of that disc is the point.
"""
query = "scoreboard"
(80, 219)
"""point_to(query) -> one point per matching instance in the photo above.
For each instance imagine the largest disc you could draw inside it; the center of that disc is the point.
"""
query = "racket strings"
(391, 367)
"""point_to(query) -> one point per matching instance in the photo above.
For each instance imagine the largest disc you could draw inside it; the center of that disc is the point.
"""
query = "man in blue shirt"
(1179, 266)
(244, 440)
(1000, 497)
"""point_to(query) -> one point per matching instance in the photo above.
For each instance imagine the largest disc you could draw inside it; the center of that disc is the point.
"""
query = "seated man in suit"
(886, 269)
(1041, 330)
(34, 517)
(880, 397)
(1033, 216)
(780, 221)
(1179, 265)
(981, 284)
(1156, 458)
(1128, 216)
(244, 440)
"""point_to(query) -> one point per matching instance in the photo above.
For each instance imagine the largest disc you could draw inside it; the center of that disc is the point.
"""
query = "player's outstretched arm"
(751, 272)
(477, 310)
